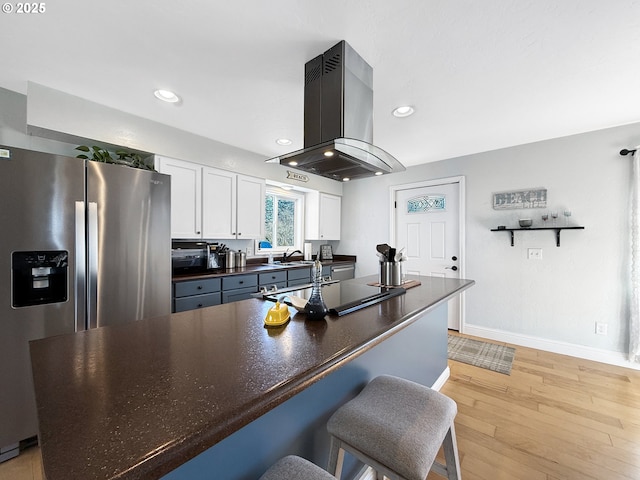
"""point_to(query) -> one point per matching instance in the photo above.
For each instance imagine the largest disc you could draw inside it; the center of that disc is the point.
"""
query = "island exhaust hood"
(338, 120)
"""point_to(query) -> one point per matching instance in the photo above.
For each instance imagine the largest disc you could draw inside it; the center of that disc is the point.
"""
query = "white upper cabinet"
(233, 205)
(211, 203)
(322, 216)
(219, 203)
(186, 196)
(250, 207)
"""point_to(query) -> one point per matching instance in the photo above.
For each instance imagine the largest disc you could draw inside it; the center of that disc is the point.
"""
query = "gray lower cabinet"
(238, 287)
(194, 294)
(326, 271)
(268, 280)
(298, 276)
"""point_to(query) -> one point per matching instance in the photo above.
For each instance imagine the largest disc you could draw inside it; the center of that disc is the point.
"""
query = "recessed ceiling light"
(378, 173)
(403, 111)
(283, 141)
(346, 179)
(293, 163)
(328, 154)
(166, 96)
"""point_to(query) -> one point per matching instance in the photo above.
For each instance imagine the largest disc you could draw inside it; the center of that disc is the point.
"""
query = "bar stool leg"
(450, 447)
(336, 458)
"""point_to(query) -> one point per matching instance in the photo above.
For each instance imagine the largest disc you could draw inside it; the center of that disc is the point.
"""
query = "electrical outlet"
(601, 328)
(534, 254)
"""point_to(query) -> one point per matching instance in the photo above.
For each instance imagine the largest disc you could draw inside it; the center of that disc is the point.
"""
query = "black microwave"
(194, 257)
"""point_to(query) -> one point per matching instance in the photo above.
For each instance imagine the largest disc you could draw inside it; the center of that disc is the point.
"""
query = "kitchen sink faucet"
(287, 255)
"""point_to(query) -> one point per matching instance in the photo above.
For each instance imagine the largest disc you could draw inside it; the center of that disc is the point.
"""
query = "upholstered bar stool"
(295, 468)
(396, 427)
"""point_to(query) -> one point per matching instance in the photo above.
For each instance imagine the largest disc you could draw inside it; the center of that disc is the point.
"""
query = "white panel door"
(427, 226)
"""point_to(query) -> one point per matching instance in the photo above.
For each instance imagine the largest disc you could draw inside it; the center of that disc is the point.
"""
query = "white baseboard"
(555, 346)
(442, 379)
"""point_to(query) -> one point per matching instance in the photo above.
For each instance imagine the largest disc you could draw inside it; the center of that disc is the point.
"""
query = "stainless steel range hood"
(338, 120)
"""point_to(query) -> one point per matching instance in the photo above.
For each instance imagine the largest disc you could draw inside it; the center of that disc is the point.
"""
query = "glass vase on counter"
(316, 309)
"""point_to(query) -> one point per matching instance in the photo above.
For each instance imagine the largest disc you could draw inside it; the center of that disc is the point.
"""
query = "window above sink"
(283, 222)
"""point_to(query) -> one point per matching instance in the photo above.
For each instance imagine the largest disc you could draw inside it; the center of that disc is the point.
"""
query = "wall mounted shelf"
(557, 230)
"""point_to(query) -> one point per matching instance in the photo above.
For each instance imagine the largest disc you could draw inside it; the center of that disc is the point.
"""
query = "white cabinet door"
(213, 204)
(322, 216)
(186, 196)
(250, 207)
(329, 217)
(219, 193)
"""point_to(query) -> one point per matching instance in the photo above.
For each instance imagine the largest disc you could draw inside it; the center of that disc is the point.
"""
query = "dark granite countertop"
(259, 267)
(136, 401)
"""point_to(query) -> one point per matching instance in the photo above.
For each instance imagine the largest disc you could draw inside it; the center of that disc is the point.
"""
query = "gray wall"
(559, 298)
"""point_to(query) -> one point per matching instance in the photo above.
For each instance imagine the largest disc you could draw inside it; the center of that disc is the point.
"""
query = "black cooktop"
(343, 297)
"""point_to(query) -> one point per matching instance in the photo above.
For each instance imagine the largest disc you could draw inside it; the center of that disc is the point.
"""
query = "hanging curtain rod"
(625, 151)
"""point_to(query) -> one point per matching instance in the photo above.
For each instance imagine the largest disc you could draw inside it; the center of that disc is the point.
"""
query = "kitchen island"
(212, 393)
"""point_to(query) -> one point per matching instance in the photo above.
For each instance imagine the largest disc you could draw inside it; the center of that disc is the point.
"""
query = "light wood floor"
(554, 418)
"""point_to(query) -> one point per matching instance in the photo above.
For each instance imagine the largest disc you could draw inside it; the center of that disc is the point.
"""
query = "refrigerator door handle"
(92, 264)
(80, 276)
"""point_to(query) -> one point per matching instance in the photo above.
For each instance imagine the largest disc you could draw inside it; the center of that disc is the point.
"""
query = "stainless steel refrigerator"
(82, 245)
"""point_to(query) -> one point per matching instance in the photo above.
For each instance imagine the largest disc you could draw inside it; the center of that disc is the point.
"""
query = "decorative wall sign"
(297, 176)
(533, 198)
(426, 203)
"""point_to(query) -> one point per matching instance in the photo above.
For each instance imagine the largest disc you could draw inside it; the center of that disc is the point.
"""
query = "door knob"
(454, 268)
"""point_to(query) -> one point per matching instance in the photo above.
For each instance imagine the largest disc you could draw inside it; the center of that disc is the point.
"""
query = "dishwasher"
(343, 272)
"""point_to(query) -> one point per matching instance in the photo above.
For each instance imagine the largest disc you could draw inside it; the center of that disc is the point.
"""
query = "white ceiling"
(481, 74)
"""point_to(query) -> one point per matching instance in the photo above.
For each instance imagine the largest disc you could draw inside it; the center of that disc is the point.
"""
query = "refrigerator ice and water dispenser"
(39, 277)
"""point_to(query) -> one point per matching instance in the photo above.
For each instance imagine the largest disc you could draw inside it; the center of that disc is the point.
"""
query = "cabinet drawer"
(295, 274)
(272, 278)
(197, 301)
(239, 281)
(196, 287)
(239, 294)
(299, 281)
